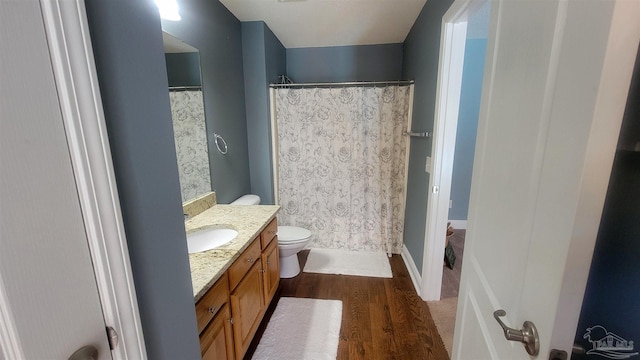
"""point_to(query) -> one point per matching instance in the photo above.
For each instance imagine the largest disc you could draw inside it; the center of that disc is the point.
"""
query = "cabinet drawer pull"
(212, 309)
(250, 260)
(268, 262)
(263, 271)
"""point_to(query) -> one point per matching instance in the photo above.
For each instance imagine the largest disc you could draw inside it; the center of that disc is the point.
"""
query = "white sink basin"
(210, 238)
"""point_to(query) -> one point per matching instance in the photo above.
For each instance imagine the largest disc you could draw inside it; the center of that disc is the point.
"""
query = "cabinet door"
(247, 308)
(216, 341)
(271, 273)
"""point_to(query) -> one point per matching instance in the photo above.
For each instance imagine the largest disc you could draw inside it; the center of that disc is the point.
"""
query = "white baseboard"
(459, 224)
(416, 278)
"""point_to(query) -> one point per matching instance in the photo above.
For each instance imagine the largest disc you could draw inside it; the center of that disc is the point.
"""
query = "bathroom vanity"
(234, 284)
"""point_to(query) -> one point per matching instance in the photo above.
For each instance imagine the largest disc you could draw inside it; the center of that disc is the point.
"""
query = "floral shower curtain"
(342, 158)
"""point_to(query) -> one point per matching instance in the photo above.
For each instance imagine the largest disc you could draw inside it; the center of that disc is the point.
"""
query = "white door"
(556, 79)
(49, 304)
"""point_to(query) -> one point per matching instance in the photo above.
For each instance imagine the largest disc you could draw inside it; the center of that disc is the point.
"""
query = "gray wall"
(420, 63)
(127, 44)
(345, 63)
(467, 127)
(210, 27)
(183, 69)
(264, 58)
(276, 64)
(469, 110)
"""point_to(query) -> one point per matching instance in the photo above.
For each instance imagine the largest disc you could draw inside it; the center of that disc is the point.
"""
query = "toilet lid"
(292, 233)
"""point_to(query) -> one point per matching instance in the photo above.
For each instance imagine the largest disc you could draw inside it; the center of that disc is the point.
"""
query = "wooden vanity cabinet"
(241, 266)
(269, 233)
(247, 289)
(214, 322)
(271, 271)
(216, 342)
(247, 309)
(251, 298)
(270, 261)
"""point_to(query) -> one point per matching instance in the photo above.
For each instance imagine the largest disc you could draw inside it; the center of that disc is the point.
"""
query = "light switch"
(428, 164)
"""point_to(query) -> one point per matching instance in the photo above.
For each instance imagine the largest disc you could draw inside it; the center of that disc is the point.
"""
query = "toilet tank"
(249, 199)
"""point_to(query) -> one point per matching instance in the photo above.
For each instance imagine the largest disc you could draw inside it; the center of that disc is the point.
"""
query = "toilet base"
(289, 266)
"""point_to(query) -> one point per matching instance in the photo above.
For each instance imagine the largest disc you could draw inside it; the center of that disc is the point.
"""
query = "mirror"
(187, 112)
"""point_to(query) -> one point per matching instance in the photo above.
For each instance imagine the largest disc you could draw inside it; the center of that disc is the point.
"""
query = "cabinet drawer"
(212, 302)
(243, 263)
(269, 233)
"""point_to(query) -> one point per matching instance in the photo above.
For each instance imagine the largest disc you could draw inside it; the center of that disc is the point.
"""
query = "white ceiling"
(174, 45)
(319, 23)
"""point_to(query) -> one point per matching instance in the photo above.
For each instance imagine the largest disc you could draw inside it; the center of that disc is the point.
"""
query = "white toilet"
(291, 240)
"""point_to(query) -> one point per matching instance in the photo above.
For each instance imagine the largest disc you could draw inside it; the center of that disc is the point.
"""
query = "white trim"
(81, 105)
(459, 224)
(416, 279)
(452, 47)
(10, 345)
(613, 91)
(274, 145)
(454, 32)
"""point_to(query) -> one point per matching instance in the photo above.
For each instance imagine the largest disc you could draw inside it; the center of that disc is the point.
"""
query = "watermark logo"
(608, 344)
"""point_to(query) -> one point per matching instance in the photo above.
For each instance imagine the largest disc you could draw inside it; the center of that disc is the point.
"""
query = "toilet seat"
(292, 234)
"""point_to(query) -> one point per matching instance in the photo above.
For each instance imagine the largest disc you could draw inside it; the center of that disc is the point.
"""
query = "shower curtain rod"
(353, 83)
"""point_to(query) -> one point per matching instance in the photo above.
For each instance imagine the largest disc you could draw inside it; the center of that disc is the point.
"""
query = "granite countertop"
(248, 220)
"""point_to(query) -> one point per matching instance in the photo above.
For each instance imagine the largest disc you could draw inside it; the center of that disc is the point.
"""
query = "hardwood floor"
(382, 318)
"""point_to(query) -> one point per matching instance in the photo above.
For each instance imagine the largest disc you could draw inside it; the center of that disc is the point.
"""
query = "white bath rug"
(302, 329)
(343, 262)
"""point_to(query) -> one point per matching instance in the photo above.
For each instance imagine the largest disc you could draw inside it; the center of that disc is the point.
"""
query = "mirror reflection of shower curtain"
(190, 135)
(342, 164)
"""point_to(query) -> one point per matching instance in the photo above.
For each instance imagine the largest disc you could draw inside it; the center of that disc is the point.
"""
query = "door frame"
(607, 113)
(452, 49)
(81, 103)
(74, 70)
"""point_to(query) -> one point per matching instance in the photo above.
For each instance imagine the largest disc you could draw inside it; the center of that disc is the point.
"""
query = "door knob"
(89, 352)
(528, 335)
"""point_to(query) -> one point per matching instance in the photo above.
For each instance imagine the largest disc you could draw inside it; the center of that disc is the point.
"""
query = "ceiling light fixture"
(168, 9)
